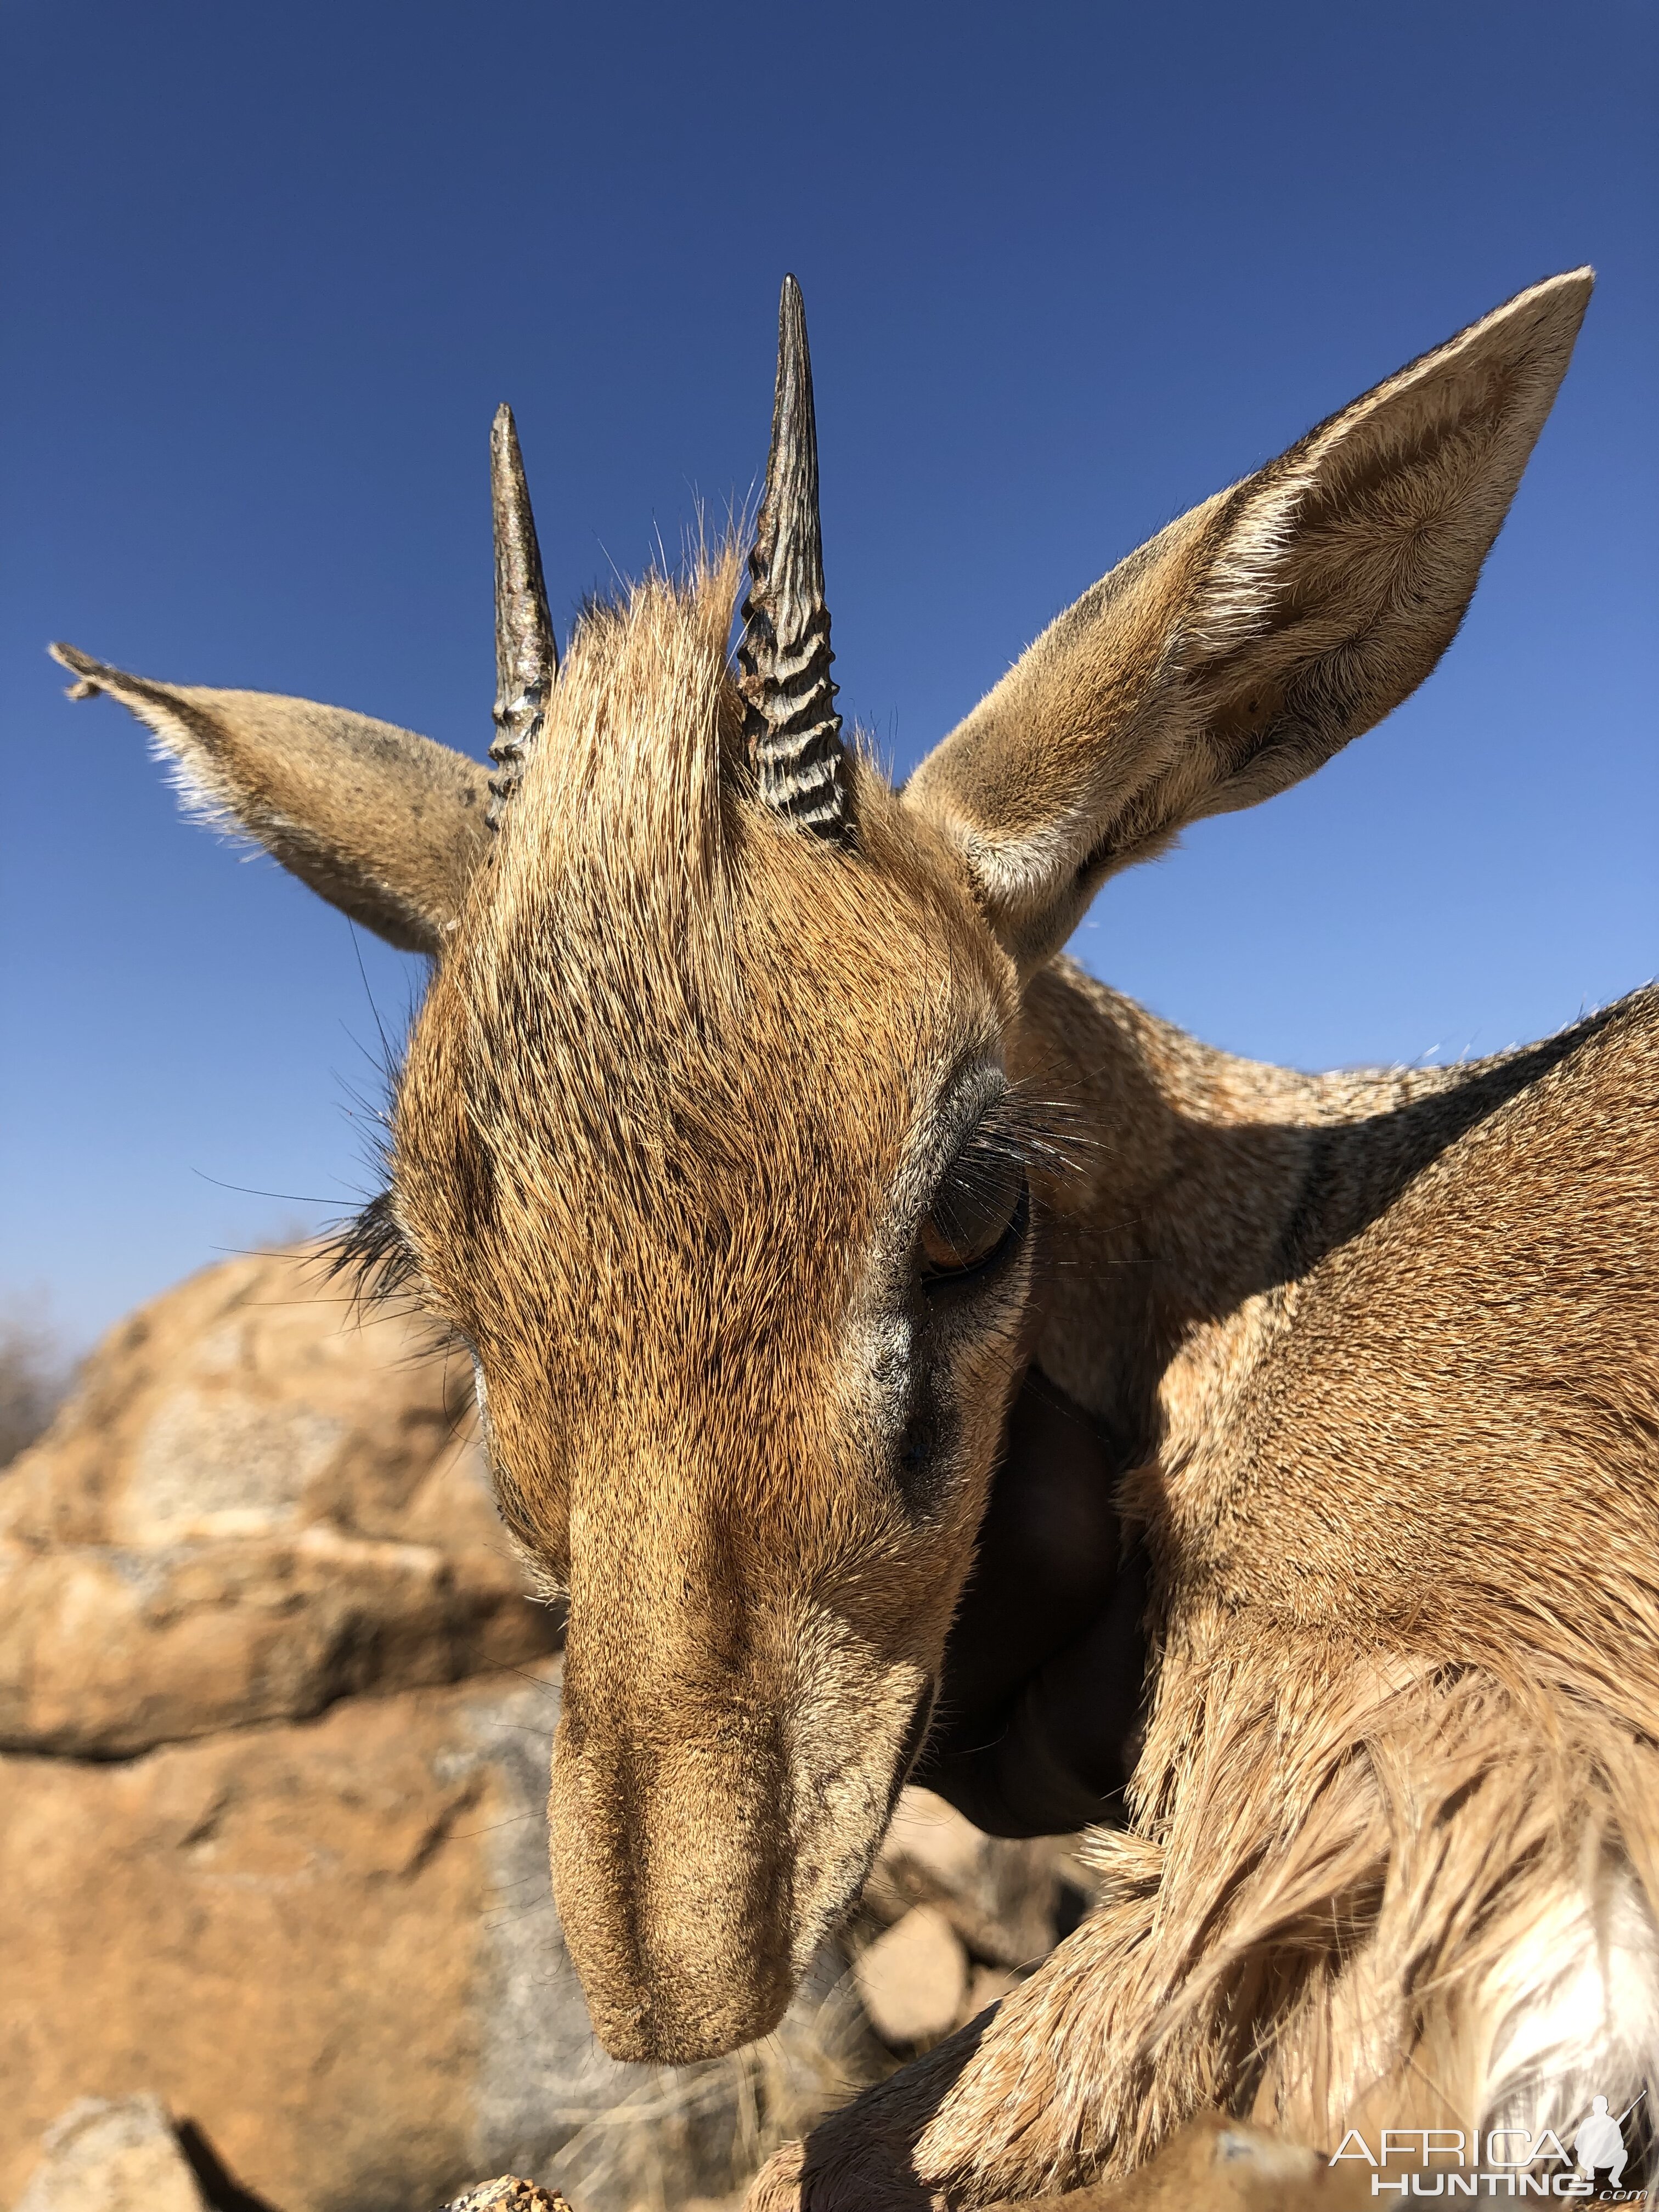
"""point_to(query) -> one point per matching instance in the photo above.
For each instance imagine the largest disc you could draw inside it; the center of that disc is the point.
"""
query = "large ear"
(386, 825)
(1249, 642)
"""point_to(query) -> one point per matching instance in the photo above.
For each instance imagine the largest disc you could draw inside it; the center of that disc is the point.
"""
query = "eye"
(977, 1217)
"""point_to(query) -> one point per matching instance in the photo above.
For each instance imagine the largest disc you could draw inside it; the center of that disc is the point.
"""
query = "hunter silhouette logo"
(1601, 2142)
(1448, 2162)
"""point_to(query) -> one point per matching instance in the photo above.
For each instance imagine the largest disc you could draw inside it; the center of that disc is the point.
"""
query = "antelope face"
(709, 1144)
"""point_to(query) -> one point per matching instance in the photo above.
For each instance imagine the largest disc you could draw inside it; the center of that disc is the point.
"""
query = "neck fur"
(1207, 1189)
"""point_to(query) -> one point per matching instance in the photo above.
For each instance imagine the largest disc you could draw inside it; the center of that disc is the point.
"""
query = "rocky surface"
(275, 1711)
(251, 1507)
(108, 2155)
(952, 1918)
(507, 2193)
(1004, 1899)
(914, 1979)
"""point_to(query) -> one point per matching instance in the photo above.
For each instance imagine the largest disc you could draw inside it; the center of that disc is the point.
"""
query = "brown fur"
(383, 824)
(1378, 1350)
(1402, 1487)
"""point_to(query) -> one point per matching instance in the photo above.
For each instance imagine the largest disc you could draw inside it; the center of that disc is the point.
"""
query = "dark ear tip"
(80, 665)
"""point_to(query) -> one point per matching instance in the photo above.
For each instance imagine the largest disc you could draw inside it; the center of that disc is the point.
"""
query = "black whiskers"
(372, 1256)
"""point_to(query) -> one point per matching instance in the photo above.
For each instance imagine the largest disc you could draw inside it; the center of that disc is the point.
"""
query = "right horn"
(790, 720)
(526, 656)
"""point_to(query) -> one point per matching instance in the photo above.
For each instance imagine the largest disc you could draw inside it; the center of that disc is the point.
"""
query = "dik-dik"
(762, 1145)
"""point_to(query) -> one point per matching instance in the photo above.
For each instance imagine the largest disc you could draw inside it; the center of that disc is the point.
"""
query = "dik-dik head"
(719, 1140)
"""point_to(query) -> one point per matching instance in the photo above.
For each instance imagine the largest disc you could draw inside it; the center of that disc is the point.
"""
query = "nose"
(671, 1872)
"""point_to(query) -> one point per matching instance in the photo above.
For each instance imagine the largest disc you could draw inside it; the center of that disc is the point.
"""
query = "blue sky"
(1068, 269)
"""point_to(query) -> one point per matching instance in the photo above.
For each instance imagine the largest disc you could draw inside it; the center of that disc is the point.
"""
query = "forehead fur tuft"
(644, 719)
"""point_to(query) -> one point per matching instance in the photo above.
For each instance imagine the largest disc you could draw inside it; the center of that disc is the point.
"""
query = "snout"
(671, 1874)
(703, 1847)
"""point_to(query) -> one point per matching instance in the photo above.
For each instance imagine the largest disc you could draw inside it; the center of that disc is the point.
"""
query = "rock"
(912, 1979)
(287, 1930)
(112, 2155)
(508, 2194)
(1001, 1897)
(252, 1506)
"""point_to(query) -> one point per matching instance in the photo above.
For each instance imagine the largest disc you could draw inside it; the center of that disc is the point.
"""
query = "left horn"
(526, 656)
(790, 720)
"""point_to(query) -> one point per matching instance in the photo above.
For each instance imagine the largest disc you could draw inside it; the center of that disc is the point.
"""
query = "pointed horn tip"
(504, 438)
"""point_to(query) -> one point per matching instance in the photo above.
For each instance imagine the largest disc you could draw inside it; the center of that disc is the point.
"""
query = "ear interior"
(1351, 560)
(1251, 639)
(385, 825)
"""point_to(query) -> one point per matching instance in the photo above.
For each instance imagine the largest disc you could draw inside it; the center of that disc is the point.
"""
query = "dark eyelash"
(372, 1256)
(982, 1173)
(1020, 1136)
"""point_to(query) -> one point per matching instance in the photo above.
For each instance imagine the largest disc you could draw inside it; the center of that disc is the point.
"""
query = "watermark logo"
(1448, 2162)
